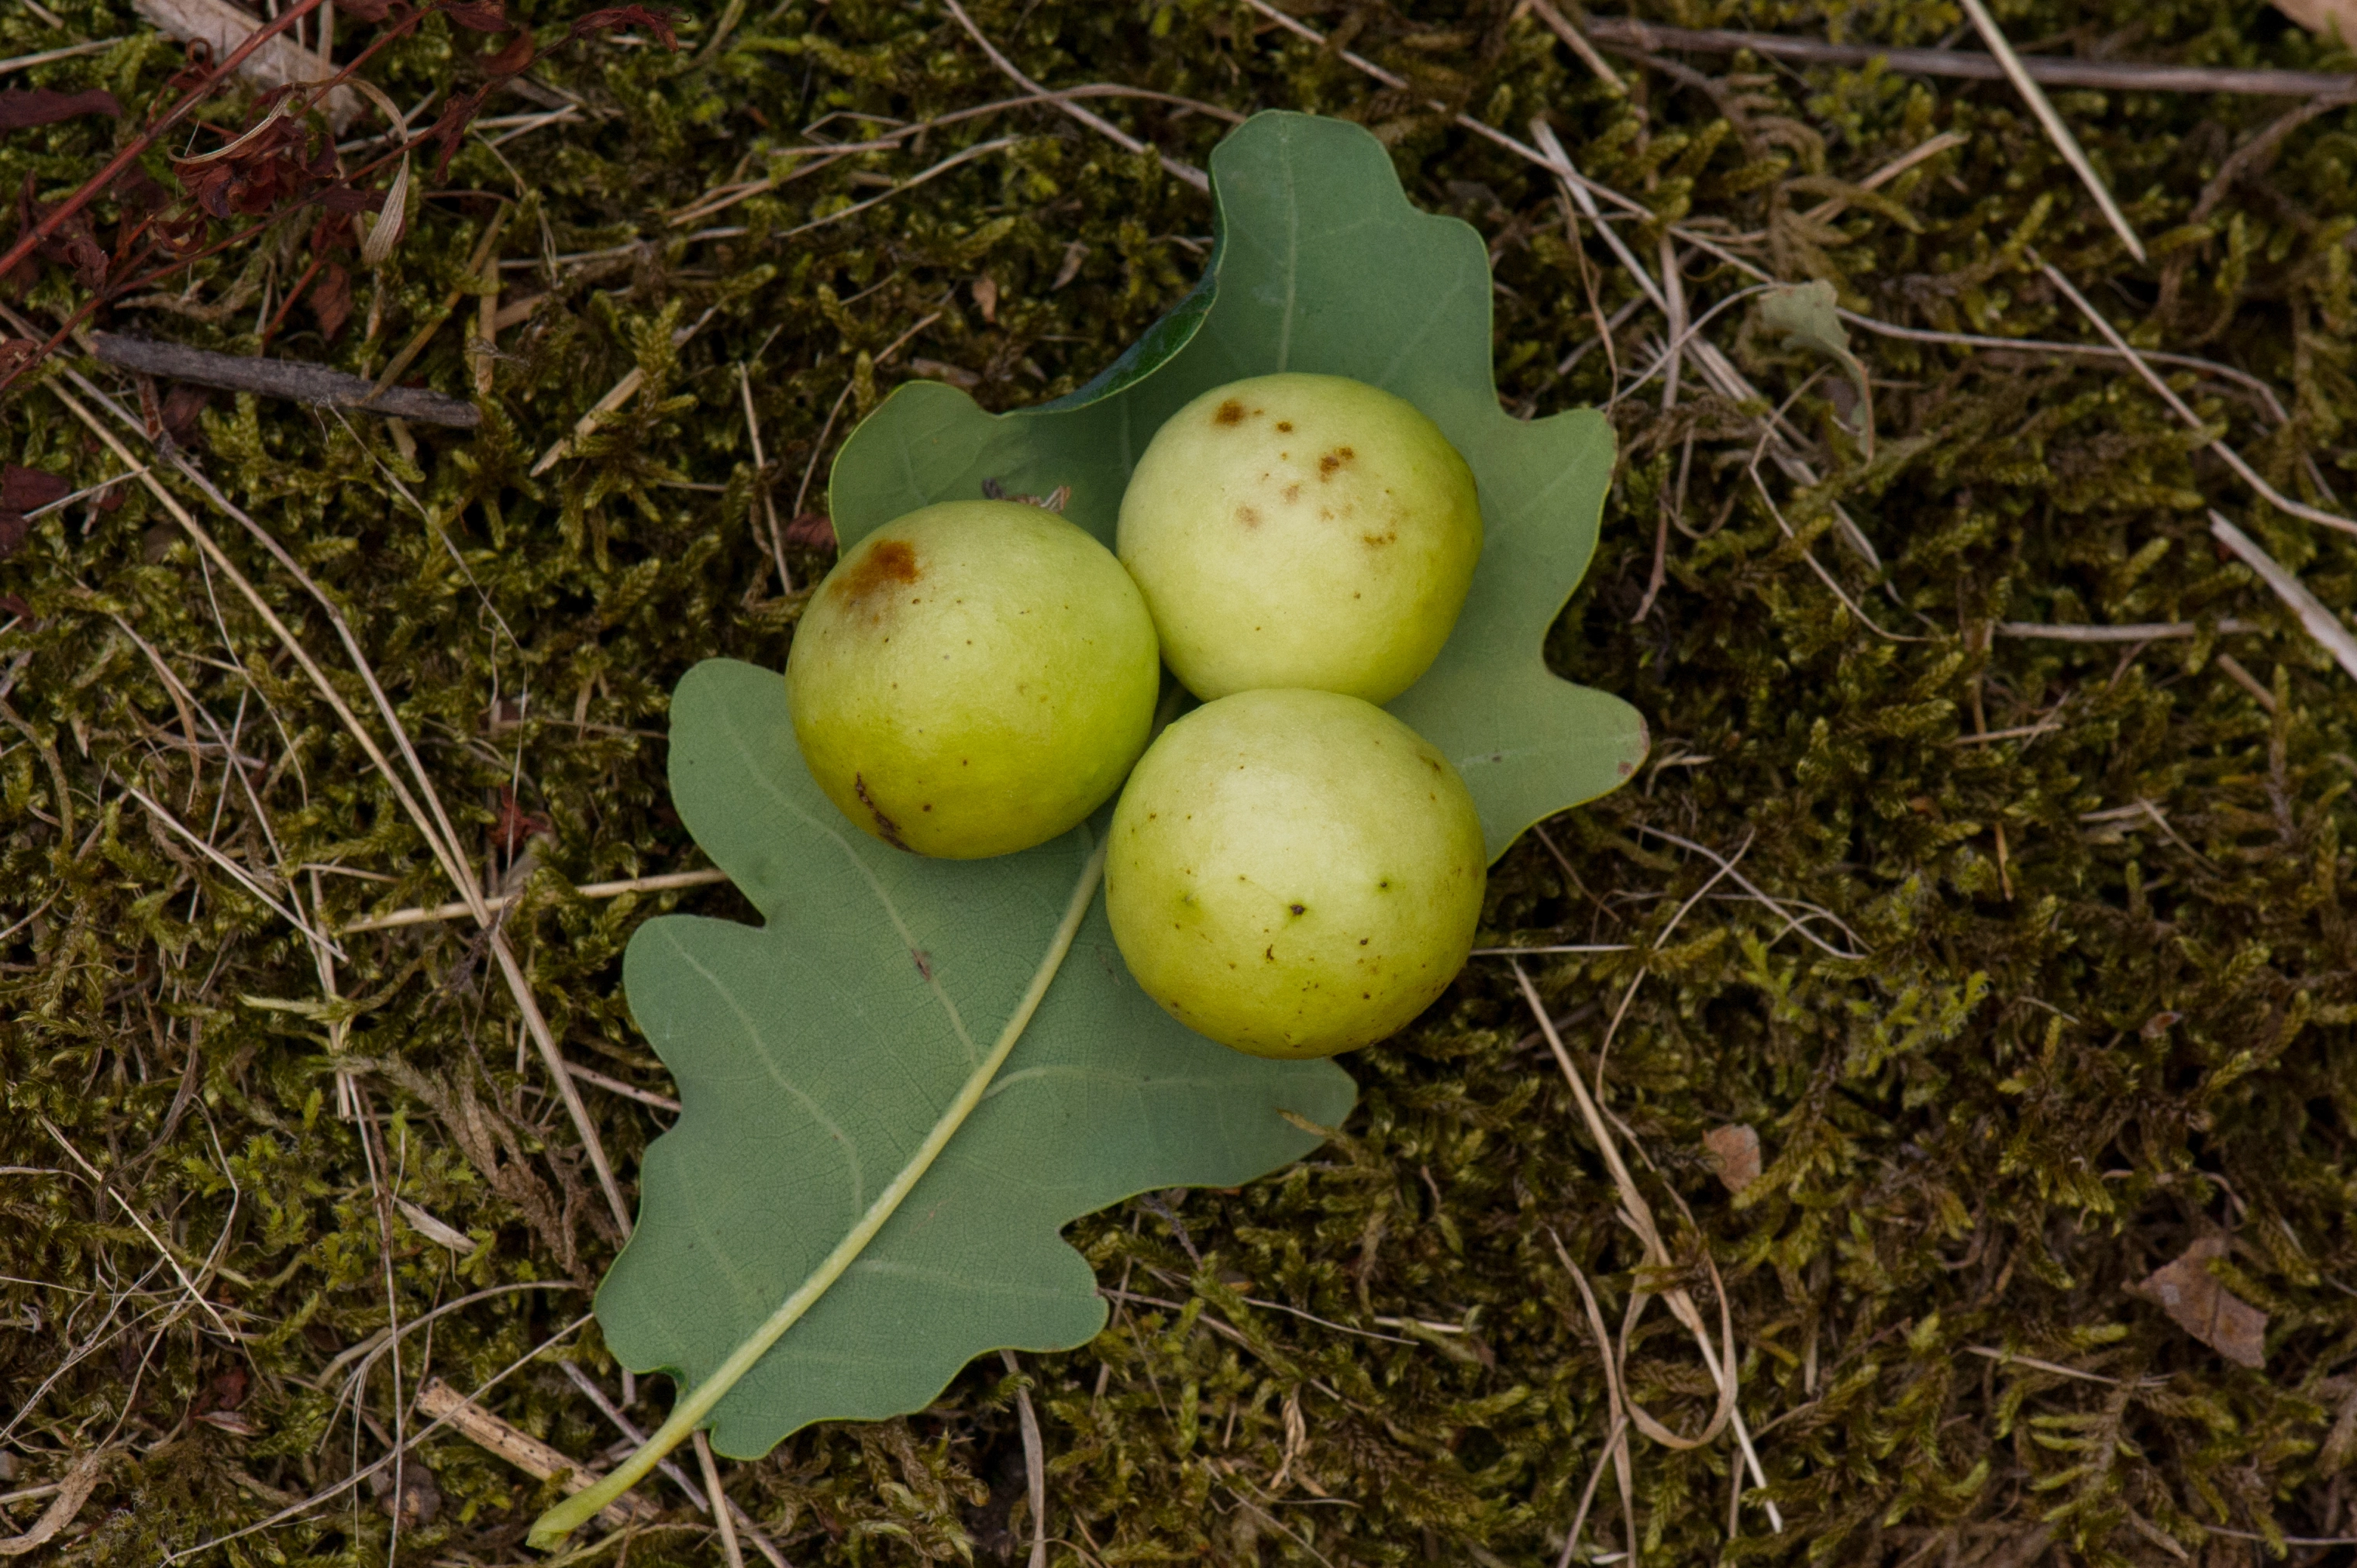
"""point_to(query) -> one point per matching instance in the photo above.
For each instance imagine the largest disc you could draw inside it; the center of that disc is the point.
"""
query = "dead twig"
(290, 379)
(442, 1402)
(2138, 631)
(460, 909)
(622, 393)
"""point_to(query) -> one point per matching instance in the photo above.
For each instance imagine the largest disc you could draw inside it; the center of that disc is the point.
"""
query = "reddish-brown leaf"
(515, 824)
(10, 604)
(812, 530)
(331, 300)
(13, 529)
(656, 21)
(2203, 1307)
(344, 198)
(29, 489)
(177, 417)
(479, 16)
(369, 10)
(44, 106)
(449, 127)
(513, 60)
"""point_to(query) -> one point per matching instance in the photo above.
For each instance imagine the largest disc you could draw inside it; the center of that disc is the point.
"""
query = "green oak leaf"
(880, 1137)
(1322, 264)
(901, 1087)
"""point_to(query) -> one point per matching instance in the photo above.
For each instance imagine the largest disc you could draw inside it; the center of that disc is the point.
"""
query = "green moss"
(2086, 1033)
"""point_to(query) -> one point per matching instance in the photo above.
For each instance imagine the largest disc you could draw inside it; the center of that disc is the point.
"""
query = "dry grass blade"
(2056, 131)
(237, 873)
(1576, 42)
(2320, 622)
(440, 838)
(46, 56)
(1094, 122)
(2103, 75)
(367, 1473)
(1637, 1215)
(2226, 454)
(619, 394)
(1035, 1462)
(1615, 1441)
(729, 1551)
(462, 909)
(279, 62)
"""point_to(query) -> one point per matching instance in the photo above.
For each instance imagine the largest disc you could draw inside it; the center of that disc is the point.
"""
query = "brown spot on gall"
(891, 562)
(1229, 412)
(1334, 460)
(1285, 425)
(1292, 493)
(1248, 517)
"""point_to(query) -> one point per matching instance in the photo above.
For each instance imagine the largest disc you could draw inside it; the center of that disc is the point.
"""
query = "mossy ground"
(2106, 1006)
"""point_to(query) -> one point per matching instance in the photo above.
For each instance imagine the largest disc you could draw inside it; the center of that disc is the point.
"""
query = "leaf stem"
(689, 1413)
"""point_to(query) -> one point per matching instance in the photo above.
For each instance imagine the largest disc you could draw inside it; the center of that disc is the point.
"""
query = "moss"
(2107, 1002)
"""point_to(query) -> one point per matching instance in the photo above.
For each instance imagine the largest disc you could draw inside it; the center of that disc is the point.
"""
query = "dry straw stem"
(622, 393)
(460, 908)
(2225, 453)
(2320, 622)
(1637, 1215)
(1093, 121)
(440, 837)
(46, 56)
(729, 1551)
(2104, 75)
(1576, 42)
(1035, 1456)
(2057, 131)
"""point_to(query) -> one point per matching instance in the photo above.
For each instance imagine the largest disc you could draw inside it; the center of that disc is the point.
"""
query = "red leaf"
(344, 198)
(514, 60)
(11, 605)
(29, 489)
(450, 127)
(515, 824)
(44, 106)
(656, 21)
(13, 529)
(178, 416)
(812, 530)
(331, 300)
(479, 16)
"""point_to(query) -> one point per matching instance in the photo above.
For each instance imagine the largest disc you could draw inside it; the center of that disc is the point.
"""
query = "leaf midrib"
(689, 1413)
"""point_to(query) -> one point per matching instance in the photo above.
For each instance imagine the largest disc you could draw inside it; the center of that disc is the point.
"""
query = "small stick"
(627, 1090)
(1094, 122)
(1576, 42)
(459, 909)
(442, 1402)
(2111, 76)
(1035, 1456)
(2064, 141)
(2141, 631)
(2320, 622)
(292, 379)
(2247, 681)
(2226, 454)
